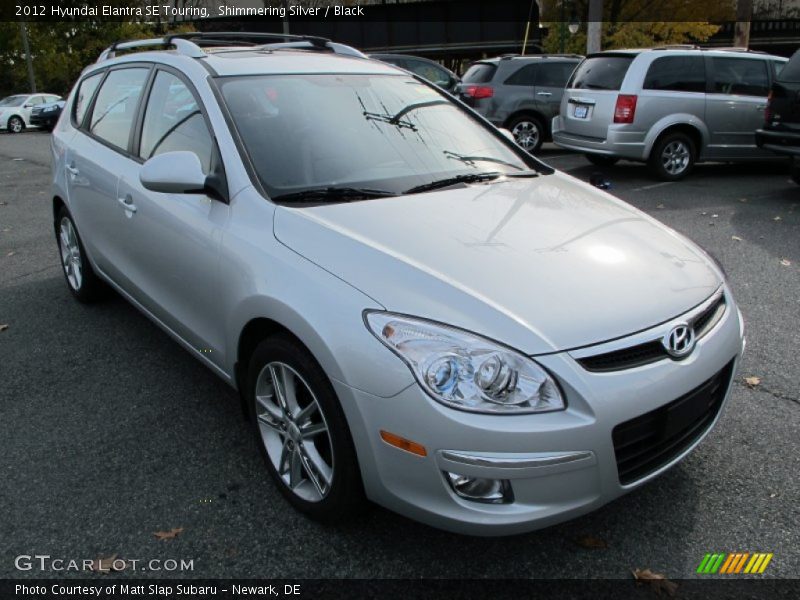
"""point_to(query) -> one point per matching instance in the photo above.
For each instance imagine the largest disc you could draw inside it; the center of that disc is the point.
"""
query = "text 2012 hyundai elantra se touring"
(414, 310)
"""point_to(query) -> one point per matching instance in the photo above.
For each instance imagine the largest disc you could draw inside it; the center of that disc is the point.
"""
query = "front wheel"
(672, 157)
(15, 124)
(528, 132)
(302, 432)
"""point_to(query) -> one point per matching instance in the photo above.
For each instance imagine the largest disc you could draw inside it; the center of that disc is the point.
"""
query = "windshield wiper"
(471, 160)
(333, 193)
(448, 181)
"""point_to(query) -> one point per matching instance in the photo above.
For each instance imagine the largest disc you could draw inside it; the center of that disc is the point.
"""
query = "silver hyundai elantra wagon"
(414, 310)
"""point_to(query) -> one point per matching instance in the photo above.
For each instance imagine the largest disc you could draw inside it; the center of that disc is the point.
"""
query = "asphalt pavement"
(109, 431)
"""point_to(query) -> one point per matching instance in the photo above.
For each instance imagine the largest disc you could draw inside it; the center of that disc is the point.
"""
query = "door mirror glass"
(178, 172)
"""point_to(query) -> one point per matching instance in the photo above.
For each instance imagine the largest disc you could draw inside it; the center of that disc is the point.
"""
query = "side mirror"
(177, 172)
(508, 134)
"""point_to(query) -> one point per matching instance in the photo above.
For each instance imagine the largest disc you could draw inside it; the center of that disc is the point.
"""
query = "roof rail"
(190, 44)
(737, 49)
(678, 47)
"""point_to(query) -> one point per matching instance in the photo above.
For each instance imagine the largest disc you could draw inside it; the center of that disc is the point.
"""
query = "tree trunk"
(594, 27)
(741, 33)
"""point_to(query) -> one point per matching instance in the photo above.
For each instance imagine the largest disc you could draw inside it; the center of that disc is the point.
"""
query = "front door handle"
(544, 93)
(127, 203)
(73, 171)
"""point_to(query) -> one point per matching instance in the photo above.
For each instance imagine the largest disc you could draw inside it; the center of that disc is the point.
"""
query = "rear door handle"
(544, 93)
(127, 203)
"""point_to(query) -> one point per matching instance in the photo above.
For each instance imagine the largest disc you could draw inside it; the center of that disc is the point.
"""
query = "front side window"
(740, 76)
(84, 95)
(382, 132)
(173, 121)
(523, 76)
(13, 100)
(115, 107)
(677, 73)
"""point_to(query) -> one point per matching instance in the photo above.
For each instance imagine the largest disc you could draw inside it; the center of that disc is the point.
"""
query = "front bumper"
(780, 142)
(560, 465)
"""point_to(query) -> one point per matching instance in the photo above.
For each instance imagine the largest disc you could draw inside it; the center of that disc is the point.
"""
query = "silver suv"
(670, 107)
(519, 93)
(413, 309)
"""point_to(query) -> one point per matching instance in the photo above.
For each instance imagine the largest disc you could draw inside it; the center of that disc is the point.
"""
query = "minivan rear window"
(479, 73)
(791, 70)
(604, 72)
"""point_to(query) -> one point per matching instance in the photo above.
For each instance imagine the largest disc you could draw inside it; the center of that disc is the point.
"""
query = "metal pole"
(594, 27)
(27, 49)
(286, 18)
(561, 32)
(527, 28)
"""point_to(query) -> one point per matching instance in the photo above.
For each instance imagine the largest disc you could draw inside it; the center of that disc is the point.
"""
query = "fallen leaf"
(773, 495)
(742, 199)
(589, 541)
(168, 535)
(3, 203)
(657, 581)
(3, 326)
(704, 213)
(752, 381)
(786, 262)
(714, 216)
(105, 565)
(736, 238)
(777, 218)
(660, 206)
(12, 253)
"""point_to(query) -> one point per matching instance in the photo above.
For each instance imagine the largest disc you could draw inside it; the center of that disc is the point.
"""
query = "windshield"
(12, 100)
(387, 133)
(791, 70)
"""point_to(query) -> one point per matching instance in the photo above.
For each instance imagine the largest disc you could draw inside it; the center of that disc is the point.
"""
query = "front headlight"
(464, 370)
(49, 109)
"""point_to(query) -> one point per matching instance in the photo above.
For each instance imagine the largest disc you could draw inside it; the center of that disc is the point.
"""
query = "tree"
(638, 23)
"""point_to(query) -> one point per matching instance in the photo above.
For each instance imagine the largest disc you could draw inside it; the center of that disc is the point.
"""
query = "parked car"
(781, 130)
(669, 107)
(424, 67)
(434, 320)
(15, 111)
(46, 115)
(519, 93)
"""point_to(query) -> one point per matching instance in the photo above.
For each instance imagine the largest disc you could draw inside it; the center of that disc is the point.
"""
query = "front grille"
(648, 442)
(652, 351)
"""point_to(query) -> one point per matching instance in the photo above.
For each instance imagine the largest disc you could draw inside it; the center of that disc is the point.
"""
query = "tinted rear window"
(600, 73)
(791, 71)
(479, 73)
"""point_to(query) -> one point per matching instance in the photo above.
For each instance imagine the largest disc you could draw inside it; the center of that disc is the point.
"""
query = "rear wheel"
(528, 132)
(302, 432)
(672, 157)
(601, 160)
(15, 124)
(81, 279)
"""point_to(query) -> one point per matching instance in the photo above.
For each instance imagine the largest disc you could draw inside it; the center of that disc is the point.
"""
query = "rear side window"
(677, 73)
(115, 107)
(554, 74)
(791, 70)
(523, 76)
(740, 76)
(84, 95)
(173, 121)
(604, 72)
(480, 73)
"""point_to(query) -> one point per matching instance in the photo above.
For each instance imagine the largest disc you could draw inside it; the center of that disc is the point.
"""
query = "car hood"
(544, 264)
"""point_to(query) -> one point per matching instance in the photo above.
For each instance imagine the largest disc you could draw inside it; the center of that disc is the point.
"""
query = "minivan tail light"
(479, 91)
(625, 109)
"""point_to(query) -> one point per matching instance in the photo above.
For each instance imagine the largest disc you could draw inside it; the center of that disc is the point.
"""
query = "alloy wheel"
(294, 431)
(526, 133)
(675, 157)
(70, 254)
(15, 125)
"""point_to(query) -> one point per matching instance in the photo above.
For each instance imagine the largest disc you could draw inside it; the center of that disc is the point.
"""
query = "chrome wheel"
(526, 133)
(15, 124)
(675, 157)
(70, 253)
(294, 431)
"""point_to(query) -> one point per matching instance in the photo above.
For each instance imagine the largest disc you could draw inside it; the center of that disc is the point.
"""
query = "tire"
(672, 157)
(15, 124)
(81, 280)
(602, 160)
(528, 132)
(309, 441)
(795, 171)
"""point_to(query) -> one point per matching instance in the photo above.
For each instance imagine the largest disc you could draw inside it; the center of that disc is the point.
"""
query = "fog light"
(478, 489)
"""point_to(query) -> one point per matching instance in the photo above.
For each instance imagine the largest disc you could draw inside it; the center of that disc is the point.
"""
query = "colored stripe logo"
(735, 563)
